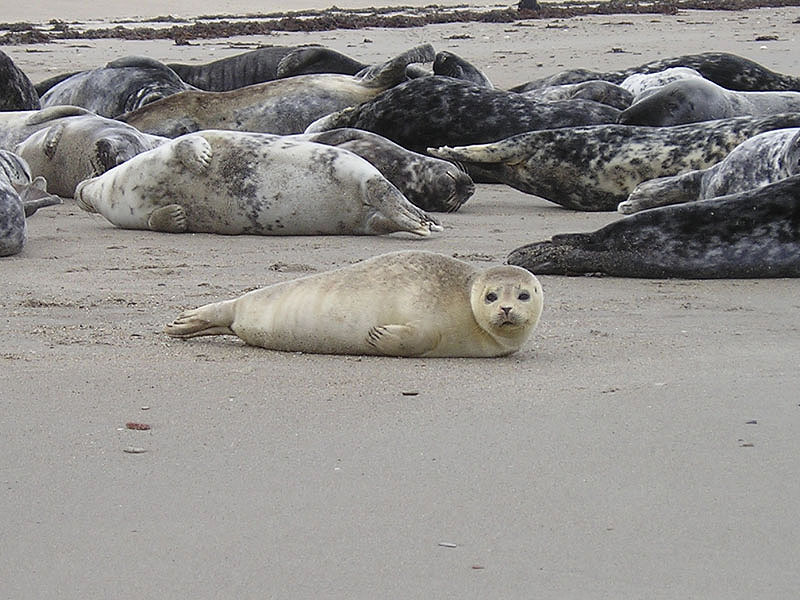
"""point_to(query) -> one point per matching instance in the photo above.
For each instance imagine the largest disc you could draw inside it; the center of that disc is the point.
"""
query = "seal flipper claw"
(401, 340)
(169, 219)
(194, 152)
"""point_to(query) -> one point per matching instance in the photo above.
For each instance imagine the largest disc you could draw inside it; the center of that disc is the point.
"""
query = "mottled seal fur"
(397, 304)
(439, 111)
(451, 65)
(21, 195)
(248, 183)
(430, 183)
(728, 70)
(639, 83)
(80, 147)
(760, 160)
(696, 99)
(599, 91)
(16, 90)
(121, 86)
(283, 106)
(755, 233)
(597, 167)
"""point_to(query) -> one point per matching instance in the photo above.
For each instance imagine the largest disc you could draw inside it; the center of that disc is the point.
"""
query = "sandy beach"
(643, 444)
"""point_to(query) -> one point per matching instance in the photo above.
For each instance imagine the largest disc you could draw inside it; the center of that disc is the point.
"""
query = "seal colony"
(396, 304)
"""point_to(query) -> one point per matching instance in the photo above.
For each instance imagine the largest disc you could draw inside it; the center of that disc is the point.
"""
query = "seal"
(597, 90)
(696, 99)
(20, 197)
(16, 90)
(262, 64)
(397, 304)
(17, 125)
(437, 111)
(80, 147)
(731, 71)
(121, 86)
(431, 184)
(595, 168)
(284, 106)
(448, 64)
(763, 159)
(639, 83)
(248, 183)
(755, 233)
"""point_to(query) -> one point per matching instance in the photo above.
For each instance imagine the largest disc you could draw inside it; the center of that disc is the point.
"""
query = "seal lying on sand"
(428, 183)
(248, 183)
(755, 233)
(80, 147)
(696, 99)
(20, 197)
(728, 70)
(16, 90)
(438, 111)
(283, 106)
(397, 304)
(596, 168)
(763, 159)
(596, 90)
(17, 125)
(121, 86)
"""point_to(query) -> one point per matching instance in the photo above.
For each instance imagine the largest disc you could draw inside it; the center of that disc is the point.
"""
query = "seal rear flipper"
(393, 71)
(663, 191)
(55, 112)
(34, 195)
(169, 219)
(402, 340)
(563, 255)
(211, 319)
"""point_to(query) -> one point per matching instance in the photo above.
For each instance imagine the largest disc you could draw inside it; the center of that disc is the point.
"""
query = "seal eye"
(524, 296)
(491, 297)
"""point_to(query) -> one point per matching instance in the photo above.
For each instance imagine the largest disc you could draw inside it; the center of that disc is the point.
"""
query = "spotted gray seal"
(731, 71)
(438, 111)
(597, 167)
(755, 233)
(82, 146)
(430, 183)
(232, 182)
(639, 83)
(16, 90)
(597, 90)
(697, 99)
(762, 159)
(121, 86)
(397, 304)
(283, 106)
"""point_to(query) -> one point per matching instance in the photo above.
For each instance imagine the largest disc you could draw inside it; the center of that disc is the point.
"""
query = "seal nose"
(506, 309)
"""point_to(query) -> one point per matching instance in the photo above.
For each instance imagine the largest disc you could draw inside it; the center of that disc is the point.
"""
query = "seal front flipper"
(211, 319)
(402, 340)
(194, 152)
(169, 219)
(663, 191)
(34, 195)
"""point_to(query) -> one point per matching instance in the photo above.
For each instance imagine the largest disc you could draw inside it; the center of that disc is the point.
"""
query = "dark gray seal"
(596, 168)
(763, 159)
(20, 197)
(597, 90)
(438, 111)
(755, 233)
(16, 90)
(121, 86)
(79, 147)
(696, 99)
(265, 64)
(728, 70)
(448, 64)
(283, 106)
(431, 184)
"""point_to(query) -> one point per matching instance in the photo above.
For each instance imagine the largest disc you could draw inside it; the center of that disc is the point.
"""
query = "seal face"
(763, 159)
(755, 233)
(248, 183)
(82, 146)
(429, 183)
(284, 106)
(437, 111)
(597, 167)
(696, 99)
(121, 86)
(451, 65)
(397, 304)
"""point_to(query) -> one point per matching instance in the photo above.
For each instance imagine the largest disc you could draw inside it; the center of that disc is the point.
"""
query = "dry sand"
(644, 444)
